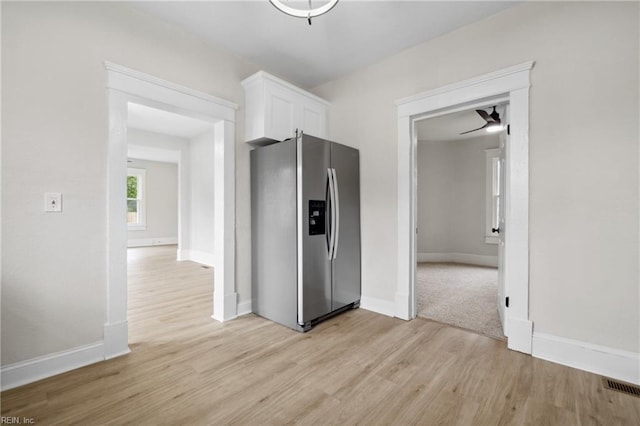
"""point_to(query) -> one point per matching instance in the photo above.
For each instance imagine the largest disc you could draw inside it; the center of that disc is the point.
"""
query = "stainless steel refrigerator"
(305, 230)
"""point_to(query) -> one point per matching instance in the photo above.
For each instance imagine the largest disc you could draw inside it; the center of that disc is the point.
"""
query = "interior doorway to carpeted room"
(457, 250)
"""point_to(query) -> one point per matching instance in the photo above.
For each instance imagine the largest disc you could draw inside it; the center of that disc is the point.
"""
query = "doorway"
(127, 86)
(507, 85)
(458, 206)
(170, 219)
(156, 137)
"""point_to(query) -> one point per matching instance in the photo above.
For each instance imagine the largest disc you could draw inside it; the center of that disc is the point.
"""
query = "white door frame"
(125, 85)
(513, 85)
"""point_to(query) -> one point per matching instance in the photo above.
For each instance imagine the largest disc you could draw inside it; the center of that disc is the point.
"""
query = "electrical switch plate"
(53, 202)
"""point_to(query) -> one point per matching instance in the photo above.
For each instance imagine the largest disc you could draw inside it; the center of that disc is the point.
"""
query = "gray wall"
(451, 196)
(584, 121)
(161, 197)
(55, 130)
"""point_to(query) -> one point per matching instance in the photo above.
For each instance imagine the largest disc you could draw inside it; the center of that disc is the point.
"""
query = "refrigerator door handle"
(336, 238)
(332, 197)
(300, 278)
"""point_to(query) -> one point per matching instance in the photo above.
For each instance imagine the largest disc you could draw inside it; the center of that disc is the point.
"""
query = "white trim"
(262, 75)
(518, 332)
(512, 83)
(226, 300)
(244, 308)
(225, 296)
(123, 86)
(147, 242)
(379, 306)
(491, 240)
(603, 360)
(492, 184)
(196, 256)
(24, 372)
(470, 259)
(115, 339)
(407, 106)
(116, 70)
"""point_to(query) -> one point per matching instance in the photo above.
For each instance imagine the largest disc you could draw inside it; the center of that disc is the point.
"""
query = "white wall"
(161, 203)
(451, 196)
(55, 133)
(202, 156)
(583, 155)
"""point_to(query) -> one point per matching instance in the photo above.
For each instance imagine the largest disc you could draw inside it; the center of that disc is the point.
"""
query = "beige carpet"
(460, 295)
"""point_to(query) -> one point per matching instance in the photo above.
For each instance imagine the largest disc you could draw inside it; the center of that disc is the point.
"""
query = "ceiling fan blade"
(479, 128)
(482, 113)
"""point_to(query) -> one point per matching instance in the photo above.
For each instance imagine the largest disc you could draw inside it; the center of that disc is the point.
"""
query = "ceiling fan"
(492, 124)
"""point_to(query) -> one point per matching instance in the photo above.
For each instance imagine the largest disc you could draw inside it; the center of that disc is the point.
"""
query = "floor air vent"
(622, 387)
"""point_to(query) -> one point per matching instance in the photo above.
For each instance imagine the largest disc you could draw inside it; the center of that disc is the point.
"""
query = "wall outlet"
(53, 202)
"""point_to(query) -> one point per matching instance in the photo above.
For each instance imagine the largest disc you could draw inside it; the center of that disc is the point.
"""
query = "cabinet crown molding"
(263, 75)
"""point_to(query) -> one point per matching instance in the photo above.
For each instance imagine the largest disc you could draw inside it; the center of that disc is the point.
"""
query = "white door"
(498, 226)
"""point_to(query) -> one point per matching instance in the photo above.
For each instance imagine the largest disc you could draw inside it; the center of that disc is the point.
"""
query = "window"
(492, 221)
(136, 218)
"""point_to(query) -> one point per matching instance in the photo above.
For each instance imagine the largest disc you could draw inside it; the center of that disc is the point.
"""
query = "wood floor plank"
(357, 368)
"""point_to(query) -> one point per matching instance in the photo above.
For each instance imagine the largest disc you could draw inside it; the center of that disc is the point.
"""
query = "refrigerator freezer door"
(345, 162)
(273, 233)
(315, 274)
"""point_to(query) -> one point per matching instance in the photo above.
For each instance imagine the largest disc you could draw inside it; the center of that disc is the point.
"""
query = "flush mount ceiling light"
(308, 13)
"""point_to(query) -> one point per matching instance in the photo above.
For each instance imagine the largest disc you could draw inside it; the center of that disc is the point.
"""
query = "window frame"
(141, 176)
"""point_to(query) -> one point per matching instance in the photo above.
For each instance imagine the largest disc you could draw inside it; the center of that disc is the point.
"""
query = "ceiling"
(448, 127)
(158, 121)
(354, 34)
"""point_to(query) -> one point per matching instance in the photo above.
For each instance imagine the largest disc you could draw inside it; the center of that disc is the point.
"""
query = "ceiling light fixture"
(309, 13)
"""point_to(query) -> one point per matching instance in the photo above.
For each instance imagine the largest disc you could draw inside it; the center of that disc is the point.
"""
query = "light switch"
(53, 202)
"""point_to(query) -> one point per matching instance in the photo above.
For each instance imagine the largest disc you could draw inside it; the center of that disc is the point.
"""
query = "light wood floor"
(358, 368)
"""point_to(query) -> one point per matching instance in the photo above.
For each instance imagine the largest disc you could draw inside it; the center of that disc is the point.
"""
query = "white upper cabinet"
(275, 109)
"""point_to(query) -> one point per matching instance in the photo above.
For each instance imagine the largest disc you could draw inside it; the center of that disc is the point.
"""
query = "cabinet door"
(275, 109)
(314, 119)
(280, 110)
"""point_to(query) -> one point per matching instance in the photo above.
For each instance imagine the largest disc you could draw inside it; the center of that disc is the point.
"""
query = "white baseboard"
(197, 256)
(225, 306)
(402, 302)
(244, 308)
(116, 339)
(602, 360)
(146, 242)
(21, 373)
(471, 259)
(379, 306)
(519, 332)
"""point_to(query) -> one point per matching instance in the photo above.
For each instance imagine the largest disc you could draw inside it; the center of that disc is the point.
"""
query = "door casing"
(507, 85)
(125, 85)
